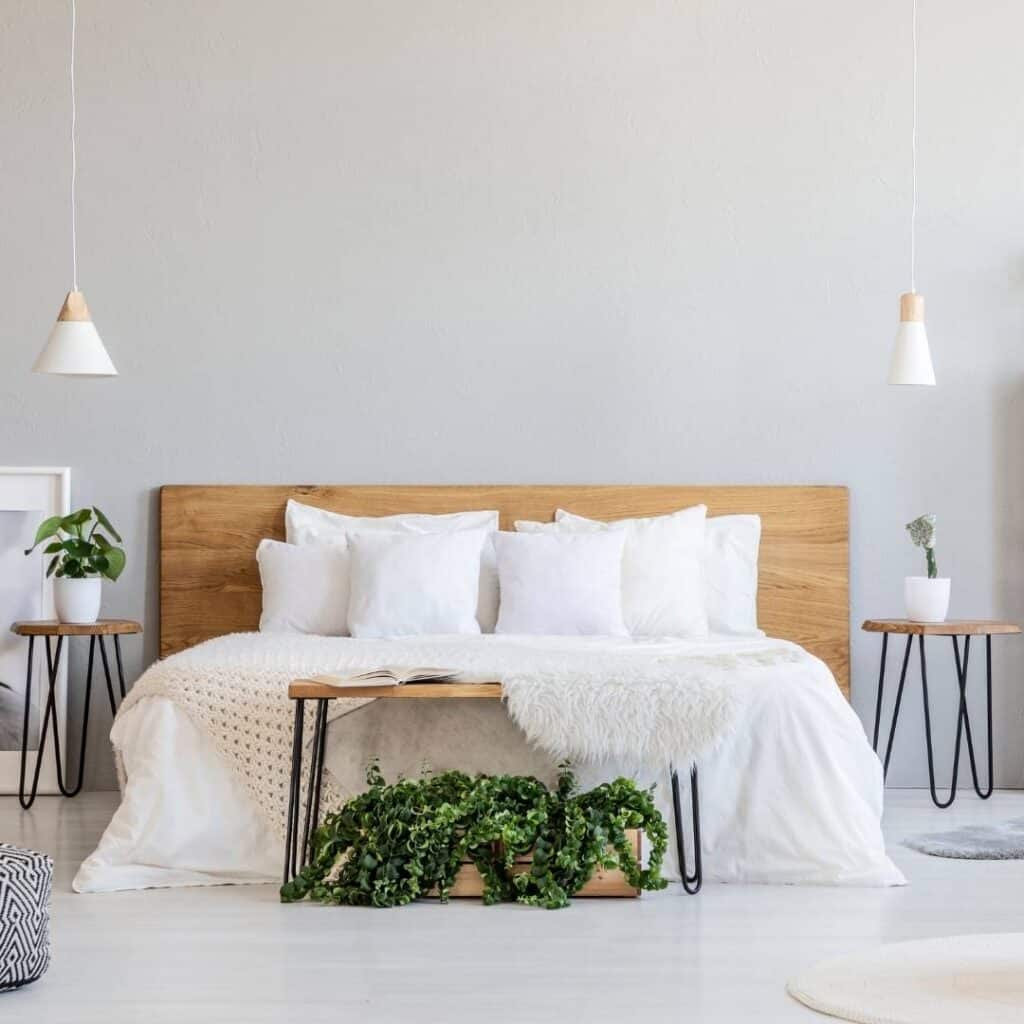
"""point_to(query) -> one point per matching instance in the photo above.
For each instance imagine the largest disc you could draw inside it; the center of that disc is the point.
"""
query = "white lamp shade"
(74, 347)
(911, 357)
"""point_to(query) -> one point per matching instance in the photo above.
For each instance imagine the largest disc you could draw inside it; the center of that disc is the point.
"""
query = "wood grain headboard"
(210, 585)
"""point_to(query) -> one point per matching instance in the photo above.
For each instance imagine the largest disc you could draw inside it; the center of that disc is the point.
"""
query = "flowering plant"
(922, 533)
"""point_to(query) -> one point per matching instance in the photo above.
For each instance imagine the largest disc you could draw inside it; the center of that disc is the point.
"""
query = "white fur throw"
(584, 700)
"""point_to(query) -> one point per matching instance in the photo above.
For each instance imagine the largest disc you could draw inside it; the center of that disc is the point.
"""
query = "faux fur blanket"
(583, 699)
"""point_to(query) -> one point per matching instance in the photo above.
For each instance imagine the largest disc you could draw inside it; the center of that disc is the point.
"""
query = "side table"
(48, 628)
(955, 629)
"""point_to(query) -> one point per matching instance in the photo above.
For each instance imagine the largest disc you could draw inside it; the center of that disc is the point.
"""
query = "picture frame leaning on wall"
(28, 494)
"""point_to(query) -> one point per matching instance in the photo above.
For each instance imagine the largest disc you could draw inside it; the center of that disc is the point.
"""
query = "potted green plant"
(926, 597)
(82, 554)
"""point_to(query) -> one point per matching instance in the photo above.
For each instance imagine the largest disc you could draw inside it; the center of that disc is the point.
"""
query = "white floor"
(229, 955)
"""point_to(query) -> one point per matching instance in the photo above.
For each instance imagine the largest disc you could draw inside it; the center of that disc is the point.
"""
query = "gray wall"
(531, 242)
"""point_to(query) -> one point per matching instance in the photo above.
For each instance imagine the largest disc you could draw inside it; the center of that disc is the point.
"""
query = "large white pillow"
(662, 569)
(560, 584)
(730, 573)
(414, 584)
(305, 589)
(305, 524)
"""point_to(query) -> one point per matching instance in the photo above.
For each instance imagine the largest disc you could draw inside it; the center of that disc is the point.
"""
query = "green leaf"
(52, 547)
(47, 528)
(79, 518)
(106, 524)
(115, 559)
(52, 565)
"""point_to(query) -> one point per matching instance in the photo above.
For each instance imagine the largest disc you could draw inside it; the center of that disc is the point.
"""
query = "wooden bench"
(298, 838)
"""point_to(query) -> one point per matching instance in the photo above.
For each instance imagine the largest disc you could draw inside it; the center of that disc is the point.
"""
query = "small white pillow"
(560, 584)
(662, 569)
(730, 573)
(305, 589)
(415, 584)
(306, 524)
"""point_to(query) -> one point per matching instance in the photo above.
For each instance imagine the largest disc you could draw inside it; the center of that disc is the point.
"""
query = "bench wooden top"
(954, 627)
(307, 689)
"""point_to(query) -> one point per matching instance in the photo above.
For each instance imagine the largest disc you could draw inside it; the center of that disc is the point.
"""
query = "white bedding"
(792, 794)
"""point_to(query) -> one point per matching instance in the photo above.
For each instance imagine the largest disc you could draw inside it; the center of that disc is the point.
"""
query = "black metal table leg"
(942, 804)
(291, 835)
(52, 668)
(881, 686)
(316, 777)
(24, 734)
(896, 706)
(120, 664)
(106, 675)
(85, 723)
(961, 675)
(691, 882)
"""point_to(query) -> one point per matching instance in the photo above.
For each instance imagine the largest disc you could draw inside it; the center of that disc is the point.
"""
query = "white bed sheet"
(792, 795)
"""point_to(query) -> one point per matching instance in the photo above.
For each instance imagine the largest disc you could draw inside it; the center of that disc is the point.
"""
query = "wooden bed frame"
(210, 584)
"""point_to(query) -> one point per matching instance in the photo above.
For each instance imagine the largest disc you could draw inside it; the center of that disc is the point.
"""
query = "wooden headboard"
(210, 584)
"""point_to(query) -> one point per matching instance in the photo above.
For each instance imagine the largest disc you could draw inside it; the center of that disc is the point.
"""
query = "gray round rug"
(974, 842)
(937, 981)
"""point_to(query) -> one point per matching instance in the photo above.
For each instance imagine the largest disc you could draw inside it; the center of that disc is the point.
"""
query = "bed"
(793, 794)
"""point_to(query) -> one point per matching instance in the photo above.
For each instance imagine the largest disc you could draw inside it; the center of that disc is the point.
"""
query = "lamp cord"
(913, 152)
(74, 158)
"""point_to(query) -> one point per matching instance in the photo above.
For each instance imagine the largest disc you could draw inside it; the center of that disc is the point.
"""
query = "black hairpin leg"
(52, 668)
(106, 675)
(297, 840)
(294, 787)
(961, 674)
(120, 664)
(85, 726)
(960, 719)
(316, 776)
(896, 706)
(691, 882)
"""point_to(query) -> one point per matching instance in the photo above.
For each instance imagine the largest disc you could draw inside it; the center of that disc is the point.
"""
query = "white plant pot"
(926, 600)
(78, 601)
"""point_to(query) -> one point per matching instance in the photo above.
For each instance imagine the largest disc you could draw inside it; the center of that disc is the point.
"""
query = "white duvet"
(792, 793)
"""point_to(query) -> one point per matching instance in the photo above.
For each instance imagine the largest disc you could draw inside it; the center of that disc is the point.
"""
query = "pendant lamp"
(911, 357)
(74, 347)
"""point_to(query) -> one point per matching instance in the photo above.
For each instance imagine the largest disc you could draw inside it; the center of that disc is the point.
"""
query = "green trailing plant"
(397, 842)
(922, 533)
(79, 545)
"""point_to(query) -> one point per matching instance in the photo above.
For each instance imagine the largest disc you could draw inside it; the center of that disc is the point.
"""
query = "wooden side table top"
(307, 689)
(101, 627)
(952, 627)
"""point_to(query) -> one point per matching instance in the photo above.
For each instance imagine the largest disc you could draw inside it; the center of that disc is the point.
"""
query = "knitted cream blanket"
(584, 699)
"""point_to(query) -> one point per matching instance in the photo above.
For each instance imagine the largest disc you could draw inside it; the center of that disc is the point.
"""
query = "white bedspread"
(791, 793)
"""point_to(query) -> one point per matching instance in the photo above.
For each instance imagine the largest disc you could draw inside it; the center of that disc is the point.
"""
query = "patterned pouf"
(25, 880)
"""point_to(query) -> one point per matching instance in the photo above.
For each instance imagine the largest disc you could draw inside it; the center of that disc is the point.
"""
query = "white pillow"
(662, 569)
(560, 584)
(730, 573)
(305, 524)
(305, 589)
(414, 584)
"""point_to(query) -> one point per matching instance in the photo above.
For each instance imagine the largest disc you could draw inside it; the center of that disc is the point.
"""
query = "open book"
(389, 675)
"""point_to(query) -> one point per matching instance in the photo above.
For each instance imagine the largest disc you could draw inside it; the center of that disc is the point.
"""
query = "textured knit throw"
(637, 704)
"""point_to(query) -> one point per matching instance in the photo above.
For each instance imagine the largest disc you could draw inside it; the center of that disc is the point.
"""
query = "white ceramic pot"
(926, 600)
(78, 601)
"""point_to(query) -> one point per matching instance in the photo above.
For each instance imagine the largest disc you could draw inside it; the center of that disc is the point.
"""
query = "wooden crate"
(468, 882)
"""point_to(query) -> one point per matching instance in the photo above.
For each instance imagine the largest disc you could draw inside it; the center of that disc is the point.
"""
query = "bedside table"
(48, 628)
(955, 629)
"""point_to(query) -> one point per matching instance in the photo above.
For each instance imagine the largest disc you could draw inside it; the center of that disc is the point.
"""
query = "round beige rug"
(957, 980)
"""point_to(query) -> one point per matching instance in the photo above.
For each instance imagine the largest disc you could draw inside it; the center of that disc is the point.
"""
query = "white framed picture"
(28, 494)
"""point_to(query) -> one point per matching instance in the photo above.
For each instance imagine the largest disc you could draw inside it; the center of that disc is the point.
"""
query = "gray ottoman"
(25, 880)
